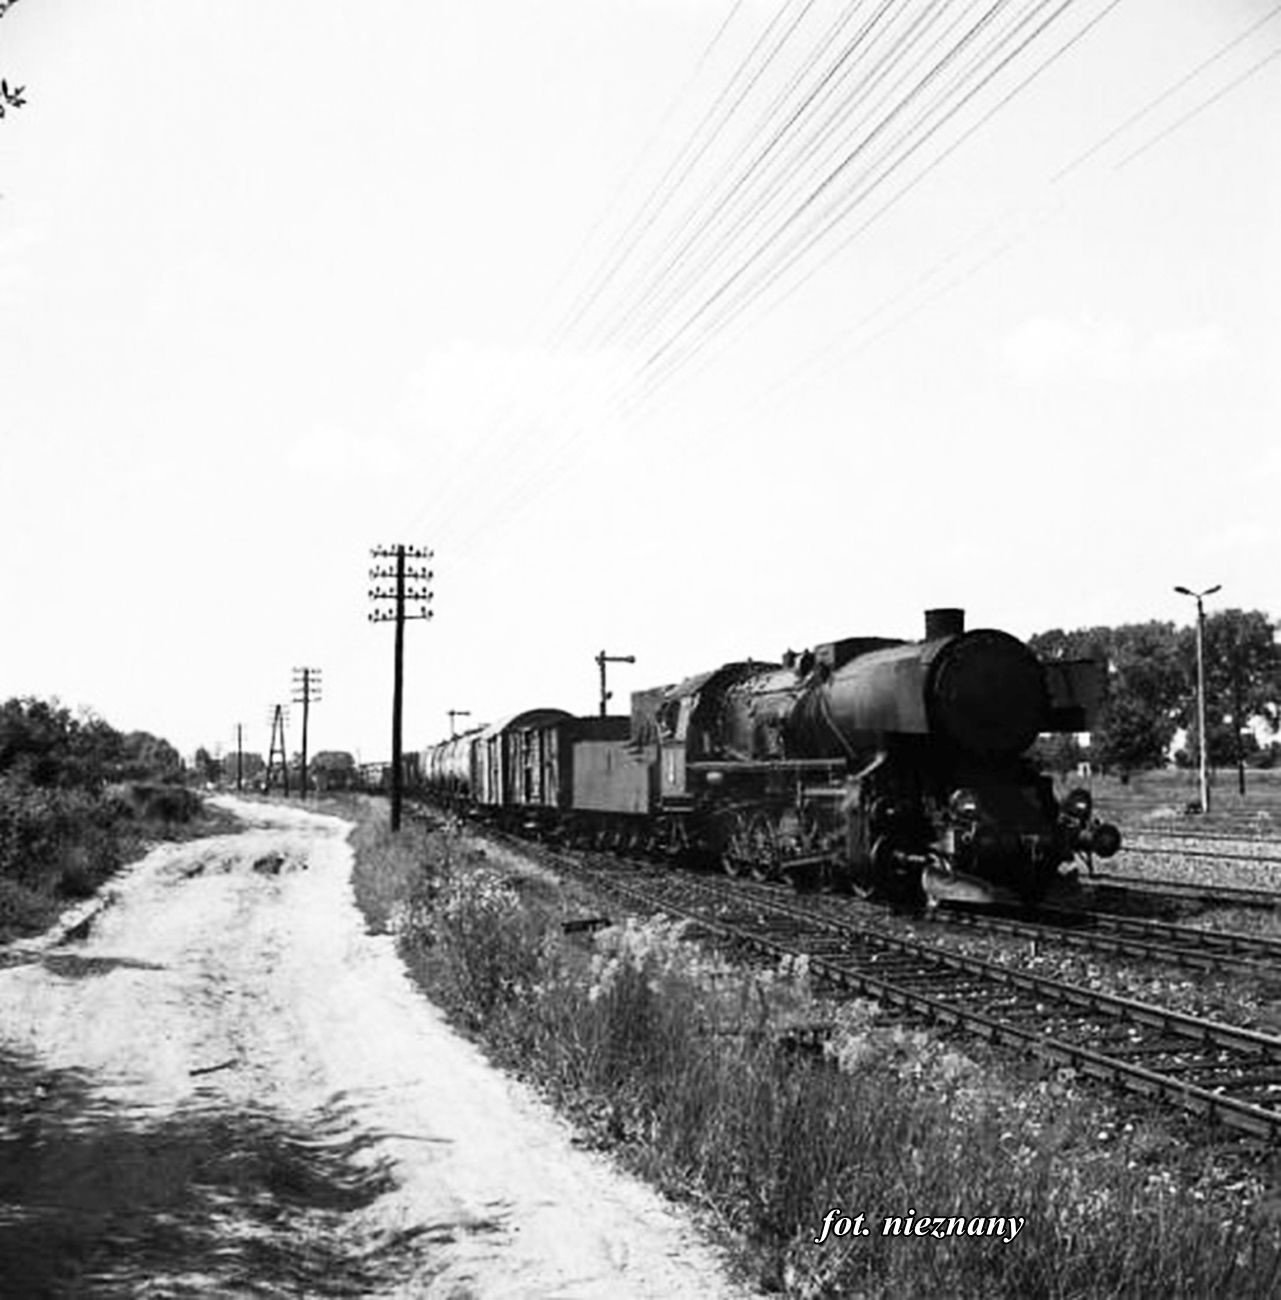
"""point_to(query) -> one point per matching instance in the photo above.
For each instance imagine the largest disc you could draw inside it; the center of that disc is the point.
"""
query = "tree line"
(1152, 692)
(77, 799)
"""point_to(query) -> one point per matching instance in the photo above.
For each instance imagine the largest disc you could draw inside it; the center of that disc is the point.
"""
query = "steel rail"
(1141, 850)
(1132, 937)
(1249, 833)
(1233, 942)
(832, 957)
(1227, 895)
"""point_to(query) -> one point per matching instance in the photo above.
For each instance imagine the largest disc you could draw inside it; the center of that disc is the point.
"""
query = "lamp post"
(1199, 596)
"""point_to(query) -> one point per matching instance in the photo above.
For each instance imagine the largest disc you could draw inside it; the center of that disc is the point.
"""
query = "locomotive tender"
(895, 768)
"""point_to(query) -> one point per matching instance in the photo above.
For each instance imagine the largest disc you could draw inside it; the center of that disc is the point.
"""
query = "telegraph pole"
(419, 593)
(456, 713)
(1202, 744)
(601, 660)
(240, 758)
(306, 683)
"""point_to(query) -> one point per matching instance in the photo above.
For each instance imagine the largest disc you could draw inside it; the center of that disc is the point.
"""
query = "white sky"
(282, 281)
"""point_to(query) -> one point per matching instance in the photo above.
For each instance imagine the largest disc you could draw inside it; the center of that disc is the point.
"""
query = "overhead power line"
(780, 177)
(937, 94)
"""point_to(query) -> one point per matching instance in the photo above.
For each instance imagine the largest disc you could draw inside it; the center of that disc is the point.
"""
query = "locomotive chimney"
(944, 622)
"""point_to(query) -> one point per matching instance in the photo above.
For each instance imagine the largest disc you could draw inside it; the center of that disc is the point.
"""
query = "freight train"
(897, 769)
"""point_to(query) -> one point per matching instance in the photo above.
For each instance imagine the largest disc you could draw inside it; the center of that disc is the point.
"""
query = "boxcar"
(511, 765)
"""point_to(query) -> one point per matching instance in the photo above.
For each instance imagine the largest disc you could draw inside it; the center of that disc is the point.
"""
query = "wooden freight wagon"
(508, 766)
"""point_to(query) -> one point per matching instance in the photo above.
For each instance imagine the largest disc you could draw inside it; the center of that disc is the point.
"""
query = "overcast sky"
(283, 281)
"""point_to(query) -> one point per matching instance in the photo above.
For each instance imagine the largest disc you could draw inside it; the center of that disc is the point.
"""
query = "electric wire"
(879, 166)
(1200, 108)
(710, 202)
(503, 422)
(1131, 120)
(1139, 114)
(842, 342)
(754, 72)
(789, 257)
(831, 216)
(781, 180)
(531, 485)
(687, 157)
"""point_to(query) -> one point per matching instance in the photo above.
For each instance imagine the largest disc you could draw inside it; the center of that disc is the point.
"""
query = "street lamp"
(1199, 596)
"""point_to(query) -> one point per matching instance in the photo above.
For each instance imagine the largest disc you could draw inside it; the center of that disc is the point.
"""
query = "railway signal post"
(409, 583)
(601, 660)
(306, 683)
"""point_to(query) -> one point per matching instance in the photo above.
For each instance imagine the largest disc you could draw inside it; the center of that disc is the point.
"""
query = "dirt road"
(228, 1087)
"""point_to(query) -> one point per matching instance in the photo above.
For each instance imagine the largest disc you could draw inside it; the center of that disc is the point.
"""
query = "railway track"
(1144, 850)
(1269, 835)
(1141, 937)
(1208, 895)
(1219, 1071)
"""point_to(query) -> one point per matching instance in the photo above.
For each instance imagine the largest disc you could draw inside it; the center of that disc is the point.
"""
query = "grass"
(1166, 793)
(692, 1069)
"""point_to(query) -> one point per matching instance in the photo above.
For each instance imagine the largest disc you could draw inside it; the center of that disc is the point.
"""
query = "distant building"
(332, 769)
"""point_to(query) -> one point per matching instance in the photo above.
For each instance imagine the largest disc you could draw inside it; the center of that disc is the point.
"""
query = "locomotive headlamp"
(964, 805)
(1079, 805)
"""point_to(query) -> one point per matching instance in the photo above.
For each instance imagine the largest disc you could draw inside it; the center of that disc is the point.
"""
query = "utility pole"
(240, 759)
(419, 593)
(1202, 745)
(306, 683)
(601, 660)
(456, 713)
(278, 715)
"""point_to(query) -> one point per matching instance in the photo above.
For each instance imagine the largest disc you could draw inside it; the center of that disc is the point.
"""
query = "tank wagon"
(895, 768)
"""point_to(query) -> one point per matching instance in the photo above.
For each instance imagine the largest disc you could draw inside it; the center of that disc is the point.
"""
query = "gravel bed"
(1237, 998)
(1176, 864)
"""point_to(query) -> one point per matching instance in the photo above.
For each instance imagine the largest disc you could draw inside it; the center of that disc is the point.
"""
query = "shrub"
(22, 910)
(166, 803)
(471, 930)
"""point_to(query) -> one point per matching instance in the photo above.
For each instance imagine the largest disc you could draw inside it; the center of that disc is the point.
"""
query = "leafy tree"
(1146, 688)
(208, 768)
(1242, 682)
(44, 744)
(36, 742)
(1134, 735)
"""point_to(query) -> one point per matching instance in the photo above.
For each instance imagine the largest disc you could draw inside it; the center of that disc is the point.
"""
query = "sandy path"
(240, 988)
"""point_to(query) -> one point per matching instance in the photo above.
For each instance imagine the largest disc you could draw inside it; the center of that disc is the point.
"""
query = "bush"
(22, 910)
(166, 803)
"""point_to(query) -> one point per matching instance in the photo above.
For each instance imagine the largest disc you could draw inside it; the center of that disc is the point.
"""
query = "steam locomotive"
(894, 768)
